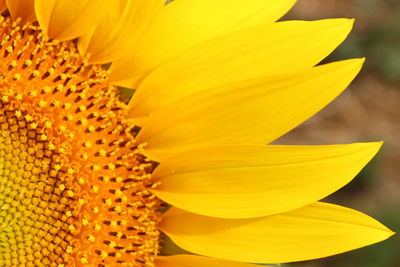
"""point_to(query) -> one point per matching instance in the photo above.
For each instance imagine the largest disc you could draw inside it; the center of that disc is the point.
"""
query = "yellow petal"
(196, 261)
(66, 19)
(21, 9)
(3, 5)
(119, 29)
(248, 112)
(315, 231)
(266, 50)
(182, 24)
(255, 181)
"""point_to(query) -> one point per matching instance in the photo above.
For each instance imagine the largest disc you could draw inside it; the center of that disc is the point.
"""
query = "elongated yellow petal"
(66, 19)
(315, 231)
(21, 9)
(182, 24)
(119, 29)
(255, 181)
(196, 261)
(266, 50)
(249, 112)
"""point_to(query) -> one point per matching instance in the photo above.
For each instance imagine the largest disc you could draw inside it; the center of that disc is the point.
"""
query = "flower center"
(74, 187)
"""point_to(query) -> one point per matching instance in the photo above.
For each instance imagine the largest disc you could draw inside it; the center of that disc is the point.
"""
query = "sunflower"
(88, 179)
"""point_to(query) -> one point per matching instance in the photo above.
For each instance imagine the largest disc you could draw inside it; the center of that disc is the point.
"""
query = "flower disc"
(74, 185)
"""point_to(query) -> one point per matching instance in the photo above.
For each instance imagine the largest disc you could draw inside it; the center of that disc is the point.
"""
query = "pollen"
(74, 188)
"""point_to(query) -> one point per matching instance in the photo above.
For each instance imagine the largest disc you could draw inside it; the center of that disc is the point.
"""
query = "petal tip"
(358, 63)
(347, 24)
(376, 146)
(362, 60)
(388, 234)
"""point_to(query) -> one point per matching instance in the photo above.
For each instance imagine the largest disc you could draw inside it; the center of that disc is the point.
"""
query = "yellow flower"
(85, 177)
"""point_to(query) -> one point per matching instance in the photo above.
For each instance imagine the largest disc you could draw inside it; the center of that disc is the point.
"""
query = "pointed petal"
(318, 230)
(196, 261)
(21, 9)
(181, 25)
(266, 50)
(64, 20)
(249, 112)
(119, 29)
(255, 181)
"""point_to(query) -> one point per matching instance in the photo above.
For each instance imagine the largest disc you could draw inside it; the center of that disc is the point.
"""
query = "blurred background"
(368, 111)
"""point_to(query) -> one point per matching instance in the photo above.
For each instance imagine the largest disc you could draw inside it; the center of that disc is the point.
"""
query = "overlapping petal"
(182, 24)
(23, 9)
(255, 181)
(265, 50)
(196, 261)
(253, 111)
(66, 19)
(315, 231)
(119, 29)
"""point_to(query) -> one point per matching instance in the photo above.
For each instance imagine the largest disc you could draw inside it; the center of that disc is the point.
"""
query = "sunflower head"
(85, 178)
